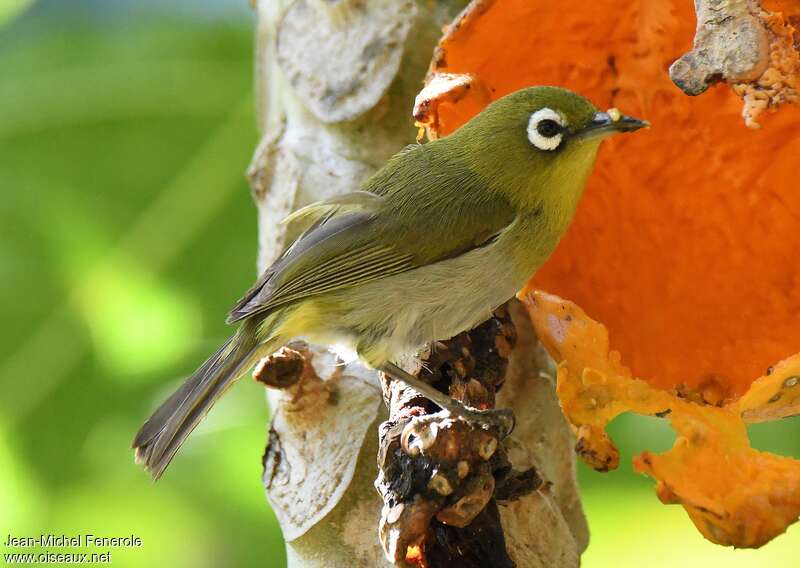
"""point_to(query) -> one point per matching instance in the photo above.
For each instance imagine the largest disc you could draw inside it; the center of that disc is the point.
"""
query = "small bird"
(425, 249)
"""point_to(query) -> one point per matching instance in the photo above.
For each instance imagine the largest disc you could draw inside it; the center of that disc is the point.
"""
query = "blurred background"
(126, 232)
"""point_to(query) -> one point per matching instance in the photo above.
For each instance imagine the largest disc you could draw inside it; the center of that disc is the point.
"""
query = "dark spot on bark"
(478, 545)
(407, 476)
(372, 49)
(517, 484)
(333, 95)
(276, 468)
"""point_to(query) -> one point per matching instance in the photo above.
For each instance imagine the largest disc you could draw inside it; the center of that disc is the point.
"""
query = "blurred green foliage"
(126, 232)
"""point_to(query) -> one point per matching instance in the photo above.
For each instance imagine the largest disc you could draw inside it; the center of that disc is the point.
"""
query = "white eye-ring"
(546, 129)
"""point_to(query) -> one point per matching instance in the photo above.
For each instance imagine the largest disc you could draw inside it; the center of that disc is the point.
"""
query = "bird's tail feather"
(165, 431)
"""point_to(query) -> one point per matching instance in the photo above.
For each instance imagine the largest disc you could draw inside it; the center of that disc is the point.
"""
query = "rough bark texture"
(750, 47)
(439, 475)
(730, 44)
(336, 83)
(452, 494)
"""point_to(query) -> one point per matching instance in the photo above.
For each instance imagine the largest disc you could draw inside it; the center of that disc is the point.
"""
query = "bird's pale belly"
(389, 318)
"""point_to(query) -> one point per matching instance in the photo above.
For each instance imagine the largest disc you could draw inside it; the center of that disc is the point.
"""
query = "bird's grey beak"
(611, 122)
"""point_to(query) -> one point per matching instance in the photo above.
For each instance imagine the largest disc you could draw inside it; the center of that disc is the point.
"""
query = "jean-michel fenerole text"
(73, 541)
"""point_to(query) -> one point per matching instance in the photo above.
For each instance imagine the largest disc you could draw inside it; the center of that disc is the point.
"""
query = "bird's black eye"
(548, 128)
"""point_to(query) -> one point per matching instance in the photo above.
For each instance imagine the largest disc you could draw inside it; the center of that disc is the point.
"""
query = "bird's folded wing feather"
(350, 246)
(354, 201)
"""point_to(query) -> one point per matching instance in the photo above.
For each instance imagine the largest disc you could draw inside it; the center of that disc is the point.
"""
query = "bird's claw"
(500, 421)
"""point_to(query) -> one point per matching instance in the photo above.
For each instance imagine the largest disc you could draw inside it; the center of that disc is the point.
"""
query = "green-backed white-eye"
(426, 248)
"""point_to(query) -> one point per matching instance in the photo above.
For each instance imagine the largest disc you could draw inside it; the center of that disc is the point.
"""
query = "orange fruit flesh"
(686, 245)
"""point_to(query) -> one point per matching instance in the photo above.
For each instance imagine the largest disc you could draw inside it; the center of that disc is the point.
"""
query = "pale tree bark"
(336, 82)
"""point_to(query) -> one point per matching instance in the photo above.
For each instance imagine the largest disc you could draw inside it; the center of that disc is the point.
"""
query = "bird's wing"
(307, 219)
(399, 231)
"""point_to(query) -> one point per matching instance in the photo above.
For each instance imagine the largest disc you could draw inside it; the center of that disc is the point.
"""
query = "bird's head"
(538, 145)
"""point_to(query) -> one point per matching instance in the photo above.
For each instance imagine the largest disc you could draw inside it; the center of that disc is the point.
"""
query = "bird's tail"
(162, 435)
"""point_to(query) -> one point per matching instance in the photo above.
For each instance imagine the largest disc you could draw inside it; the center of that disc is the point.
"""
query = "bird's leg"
(499, 419)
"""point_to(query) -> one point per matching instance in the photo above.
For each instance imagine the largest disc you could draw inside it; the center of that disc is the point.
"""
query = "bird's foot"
(499, 420)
